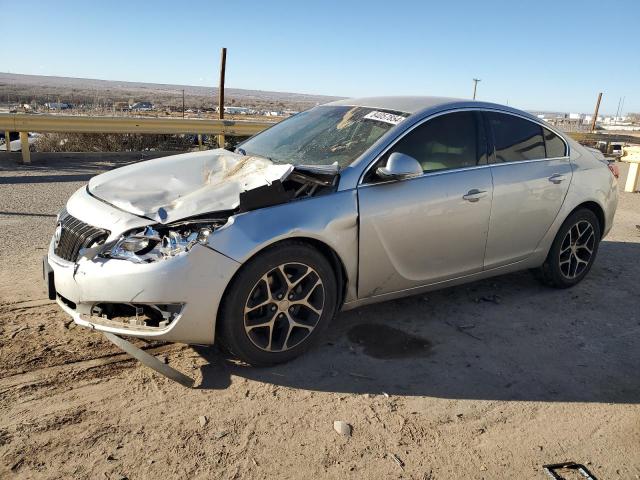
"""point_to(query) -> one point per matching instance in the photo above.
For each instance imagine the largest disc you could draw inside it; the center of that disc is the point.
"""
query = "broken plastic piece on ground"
(150, 361)
(553, 470)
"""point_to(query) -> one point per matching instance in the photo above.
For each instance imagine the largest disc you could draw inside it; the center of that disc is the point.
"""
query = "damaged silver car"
(349, 203)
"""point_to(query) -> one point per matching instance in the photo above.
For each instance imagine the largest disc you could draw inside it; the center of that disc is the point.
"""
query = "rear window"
(554, 144)
(515, 138)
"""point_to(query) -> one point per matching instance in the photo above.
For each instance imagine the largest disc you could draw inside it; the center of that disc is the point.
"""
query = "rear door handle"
(474, 195)
(556, 178)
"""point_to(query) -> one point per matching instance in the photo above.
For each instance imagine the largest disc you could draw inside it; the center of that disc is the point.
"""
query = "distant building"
(142, 106)
(121, 106)
(237, 110)
(589, 118)
(58, 106)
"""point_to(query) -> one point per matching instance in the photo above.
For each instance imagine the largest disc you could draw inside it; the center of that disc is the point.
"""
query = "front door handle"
(556, 178)
(474, 195)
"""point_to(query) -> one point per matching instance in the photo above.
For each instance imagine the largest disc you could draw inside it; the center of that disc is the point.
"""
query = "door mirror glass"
(399, 166)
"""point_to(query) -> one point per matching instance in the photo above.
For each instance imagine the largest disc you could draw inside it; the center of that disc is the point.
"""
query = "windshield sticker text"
(384, 117)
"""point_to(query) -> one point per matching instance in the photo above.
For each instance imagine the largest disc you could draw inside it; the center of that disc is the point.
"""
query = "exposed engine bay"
(181, 186)
(162, 241)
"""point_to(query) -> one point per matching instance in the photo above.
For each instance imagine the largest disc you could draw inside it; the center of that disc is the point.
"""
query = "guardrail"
(23, 123)
(605, 137)
(631, 155)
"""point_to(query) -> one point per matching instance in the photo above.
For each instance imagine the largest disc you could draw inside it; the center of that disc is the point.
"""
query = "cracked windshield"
(323, 135)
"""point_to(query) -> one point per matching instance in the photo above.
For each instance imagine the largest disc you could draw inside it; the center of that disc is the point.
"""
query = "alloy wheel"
(576, 249)
(284, 307)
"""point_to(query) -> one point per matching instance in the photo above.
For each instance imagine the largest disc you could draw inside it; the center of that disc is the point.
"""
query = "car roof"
(407, 104)
(422, 105)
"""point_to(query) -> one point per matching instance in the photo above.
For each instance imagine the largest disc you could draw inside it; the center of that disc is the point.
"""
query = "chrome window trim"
(426, 174)
(475, 167)
(517, 162)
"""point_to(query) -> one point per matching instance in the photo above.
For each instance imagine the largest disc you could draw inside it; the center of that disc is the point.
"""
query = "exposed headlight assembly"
(150, 245)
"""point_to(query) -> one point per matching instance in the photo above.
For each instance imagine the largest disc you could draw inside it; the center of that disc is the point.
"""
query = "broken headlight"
(150, 245)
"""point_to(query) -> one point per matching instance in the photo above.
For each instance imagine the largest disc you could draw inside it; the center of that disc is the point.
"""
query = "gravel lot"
(488, 380)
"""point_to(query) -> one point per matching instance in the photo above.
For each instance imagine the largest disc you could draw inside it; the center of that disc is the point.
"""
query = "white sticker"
(384, 117)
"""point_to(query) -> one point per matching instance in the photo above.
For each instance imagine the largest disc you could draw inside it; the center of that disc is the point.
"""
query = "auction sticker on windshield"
(384, 117)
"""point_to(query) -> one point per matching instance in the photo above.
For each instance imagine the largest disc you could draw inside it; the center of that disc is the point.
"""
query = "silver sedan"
(349, 203)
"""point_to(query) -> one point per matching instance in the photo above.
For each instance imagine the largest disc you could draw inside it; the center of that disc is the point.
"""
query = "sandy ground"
(488, 380)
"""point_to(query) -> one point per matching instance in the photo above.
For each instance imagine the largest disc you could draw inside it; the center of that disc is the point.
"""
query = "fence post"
(7, 140)
(24, 145)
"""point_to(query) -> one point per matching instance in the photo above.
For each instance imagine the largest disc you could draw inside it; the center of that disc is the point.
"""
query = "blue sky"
(547, 55)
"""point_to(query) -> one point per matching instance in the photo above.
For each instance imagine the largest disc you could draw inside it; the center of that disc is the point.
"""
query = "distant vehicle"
(611, 149)
(142, 107)
(347, 204)
(16, 145)
(616, 149)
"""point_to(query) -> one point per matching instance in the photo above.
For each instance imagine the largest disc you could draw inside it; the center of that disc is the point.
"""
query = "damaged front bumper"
(175, 299)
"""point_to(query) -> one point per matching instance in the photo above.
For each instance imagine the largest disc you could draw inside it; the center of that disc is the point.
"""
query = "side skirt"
(530, 262)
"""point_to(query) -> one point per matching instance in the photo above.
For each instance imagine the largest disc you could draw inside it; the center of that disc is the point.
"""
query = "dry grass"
(112, 142)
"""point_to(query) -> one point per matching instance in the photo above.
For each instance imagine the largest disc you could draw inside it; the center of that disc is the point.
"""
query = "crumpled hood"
(172, 188)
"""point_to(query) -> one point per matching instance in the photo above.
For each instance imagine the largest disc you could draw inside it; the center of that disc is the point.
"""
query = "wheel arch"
(326, 250)
(597, 210)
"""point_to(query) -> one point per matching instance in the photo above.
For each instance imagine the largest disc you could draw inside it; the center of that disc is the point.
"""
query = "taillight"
(615, 171)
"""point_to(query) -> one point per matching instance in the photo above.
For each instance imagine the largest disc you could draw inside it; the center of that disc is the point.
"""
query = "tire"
(573, 251)
(262, 329)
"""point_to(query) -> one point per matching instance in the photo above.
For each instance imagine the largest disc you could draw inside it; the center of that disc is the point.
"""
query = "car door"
(531, 175)
(433, 227)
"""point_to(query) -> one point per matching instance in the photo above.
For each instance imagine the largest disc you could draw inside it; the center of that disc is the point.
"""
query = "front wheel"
(573, 251)
(278, 305)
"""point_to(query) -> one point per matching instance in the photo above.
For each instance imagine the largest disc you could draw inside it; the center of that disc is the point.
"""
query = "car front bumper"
(195, 280)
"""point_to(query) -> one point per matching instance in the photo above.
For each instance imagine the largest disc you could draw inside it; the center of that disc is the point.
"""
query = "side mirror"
(400, 166)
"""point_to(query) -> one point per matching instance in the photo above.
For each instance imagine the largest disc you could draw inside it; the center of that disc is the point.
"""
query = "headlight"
(150, 245)
(135, 244)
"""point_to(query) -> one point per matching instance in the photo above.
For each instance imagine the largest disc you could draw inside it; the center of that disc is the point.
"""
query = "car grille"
(75, 235)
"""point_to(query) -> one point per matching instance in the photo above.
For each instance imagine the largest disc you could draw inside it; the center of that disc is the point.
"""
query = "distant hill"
(25, 88)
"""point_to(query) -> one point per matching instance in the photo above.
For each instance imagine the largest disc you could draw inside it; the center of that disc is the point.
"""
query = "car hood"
(172, 188)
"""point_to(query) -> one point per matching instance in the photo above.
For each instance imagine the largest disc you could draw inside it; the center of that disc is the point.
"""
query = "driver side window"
(449, 141)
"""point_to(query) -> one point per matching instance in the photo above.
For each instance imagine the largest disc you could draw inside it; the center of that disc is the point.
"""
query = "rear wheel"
(573, 251)
(278, 305)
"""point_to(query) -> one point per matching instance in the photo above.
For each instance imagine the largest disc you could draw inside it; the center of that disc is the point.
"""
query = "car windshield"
(323, 135)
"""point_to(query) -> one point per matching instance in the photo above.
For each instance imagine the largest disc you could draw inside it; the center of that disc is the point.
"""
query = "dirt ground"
(489, 380)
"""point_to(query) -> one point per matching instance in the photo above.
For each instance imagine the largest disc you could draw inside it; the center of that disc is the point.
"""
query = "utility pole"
(223, 62)
(595, 114)
(475, 86)
(183, 103)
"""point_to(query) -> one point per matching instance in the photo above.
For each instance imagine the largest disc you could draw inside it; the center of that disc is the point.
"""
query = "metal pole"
(7, 140)
(183, 103)
(24, 146)
(223, 62)
(475, 86)
(595, 114)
